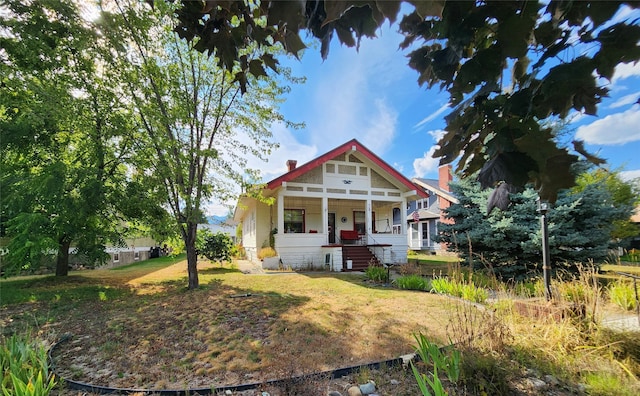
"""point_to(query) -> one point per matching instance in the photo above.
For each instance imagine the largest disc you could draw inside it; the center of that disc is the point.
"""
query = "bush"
(413, 282)
(25, 368)
(376, 273)
(622, 294)
(267, 252)
(216, 247)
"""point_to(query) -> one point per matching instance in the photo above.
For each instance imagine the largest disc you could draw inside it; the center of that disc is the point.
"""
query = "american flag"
(416, 216)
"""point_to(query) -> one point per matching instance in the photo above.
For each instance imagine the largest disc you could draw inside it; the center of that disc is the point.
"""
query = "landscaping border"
(332, 374)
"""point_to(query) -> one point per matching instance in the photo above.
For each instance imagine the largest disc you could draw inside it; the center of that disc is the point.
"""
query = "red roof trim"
(344, 148)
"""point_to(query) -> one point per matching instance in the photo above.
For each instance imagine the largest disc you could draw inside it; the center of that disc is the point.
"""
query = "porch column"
(368, 217)
(403, 217)
(281, 212)
(325, 219)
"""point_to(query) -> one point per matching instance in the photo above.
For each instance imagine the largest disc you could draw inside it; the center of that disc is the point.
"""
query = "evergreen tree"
(509, 242)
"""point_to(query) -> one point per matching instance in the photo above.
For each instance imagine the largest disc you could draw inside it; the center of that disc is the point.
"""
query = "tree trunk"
(62, 263)
(192, 256)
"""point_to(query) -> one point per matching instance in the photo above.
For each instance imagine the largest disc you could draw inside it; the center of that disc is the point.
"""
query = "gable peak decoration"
(352, 145)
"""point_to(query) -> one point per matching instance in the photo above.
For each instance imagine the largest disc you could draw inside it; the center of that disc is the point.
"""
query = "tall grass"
(376, 273)
(25, 368)
(464, 289)
(413, 282)
(622, 294)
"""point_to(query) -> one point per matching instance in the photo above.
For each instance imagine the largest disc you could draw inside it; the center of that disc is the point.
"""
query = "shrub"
(267, 252)
(376, 273)
(623, 295)
(413, 282)
(216, 247)
(25, 368)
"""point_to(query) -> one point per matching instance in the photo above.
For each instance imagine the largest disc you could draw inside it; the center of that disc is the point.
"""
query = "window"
(136, 255)
(359, 222)
(420, 204)
(116, 257)
(294, 220)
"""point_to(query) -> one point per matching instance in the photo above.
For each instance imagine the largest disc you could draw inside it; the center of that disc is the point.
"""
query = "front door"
(332, 227)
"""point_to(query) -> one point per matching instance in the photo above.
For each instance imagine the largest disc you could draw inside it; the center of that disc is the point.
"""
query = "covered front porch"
(321, 232)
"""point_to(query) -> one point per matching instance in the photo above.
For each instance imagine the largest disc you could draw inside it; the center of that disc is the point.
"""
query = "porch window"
(359, 222)
(294, 221)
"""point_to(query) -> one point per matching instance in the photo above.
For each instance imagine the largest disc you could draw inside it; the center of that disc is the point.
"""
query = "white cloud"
(437, 134)
(630, 175)
(426, 164)
(381, 128)
(625, 100)
(351, 94)
(290, 149)
(626, 70)
(613, 129)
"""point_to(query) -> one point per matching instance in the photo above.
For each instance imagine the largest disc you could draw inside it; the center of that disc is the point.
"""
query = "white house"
(340, 211)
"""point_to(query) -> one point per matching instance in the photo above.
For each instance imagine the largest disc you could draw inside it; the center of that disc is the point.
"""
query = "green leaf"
(345, 36)
(334, 10)
(511, 167)
(286, 13)
(619, 44)
(389, 9)
(292, 43)
(578, 145)
(270, 61)
(255, 68)
(428, 8)
(514, 34)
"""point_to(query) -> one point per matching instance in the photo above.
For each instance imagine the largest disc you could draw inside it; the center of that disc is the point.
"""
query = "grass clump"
(623, 295)
(266, 252)
(376, 273)
(413, 282)
(25, 368)
(465, 290)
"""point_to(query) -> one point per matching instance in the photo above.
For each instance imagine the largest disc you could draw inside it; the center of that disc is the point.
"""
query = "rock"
(537, 383)
(394, 382)
(334, 393)
(368, 388)
(354, 391)
(228, 392)
(551, 380)
(266, 394)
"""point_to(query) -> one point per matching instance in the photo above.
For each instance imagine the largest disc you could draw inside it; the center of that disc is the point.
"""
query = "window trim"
(304, 215)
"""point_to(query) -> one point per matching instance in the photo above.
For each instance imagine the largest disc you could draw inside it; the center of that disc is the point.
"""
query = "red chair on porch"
(350, 236)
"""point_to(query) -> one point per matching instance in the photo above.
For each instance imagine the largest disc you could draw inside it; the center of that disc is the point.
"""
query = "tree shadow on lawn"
(216, 335)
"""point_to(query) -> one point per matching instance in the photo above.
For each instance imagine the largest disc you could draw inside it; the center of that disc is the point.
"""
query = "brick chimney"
(291, 164)
(445, 176)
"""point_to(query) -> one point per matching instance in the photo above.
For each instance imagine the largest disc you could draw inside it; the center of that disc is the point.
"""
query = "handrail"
(370, 237)
(635, 288)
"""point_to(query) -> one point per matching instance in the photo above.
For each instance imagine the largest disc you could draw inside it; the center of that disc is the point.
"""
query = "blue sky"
(372, 95)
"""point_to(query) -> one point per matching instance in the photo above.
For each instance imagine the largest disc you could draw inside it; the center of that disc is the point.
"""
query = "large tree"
(195, 131)
(581, 225)
(508, 66)
(63, 132)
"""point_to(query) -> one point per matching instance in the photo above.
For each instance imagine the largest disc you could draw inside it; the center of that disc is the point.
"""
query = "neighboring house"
(136, 249)
(339, 211)
(635, 242)
(424, 215)
(225, 226)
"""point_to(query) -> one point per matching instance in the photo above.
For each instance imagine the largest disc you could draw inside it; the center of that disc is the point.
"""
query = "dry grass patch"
(235, 329)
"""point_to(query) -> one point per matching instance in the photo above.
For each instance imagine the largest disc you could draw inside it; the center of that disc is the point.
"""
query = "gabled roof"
(351, 145)
(433, 185)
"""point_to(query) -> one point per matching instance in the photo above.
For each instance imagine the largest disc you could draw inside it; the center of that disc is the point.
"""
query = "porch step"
(360, 255)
